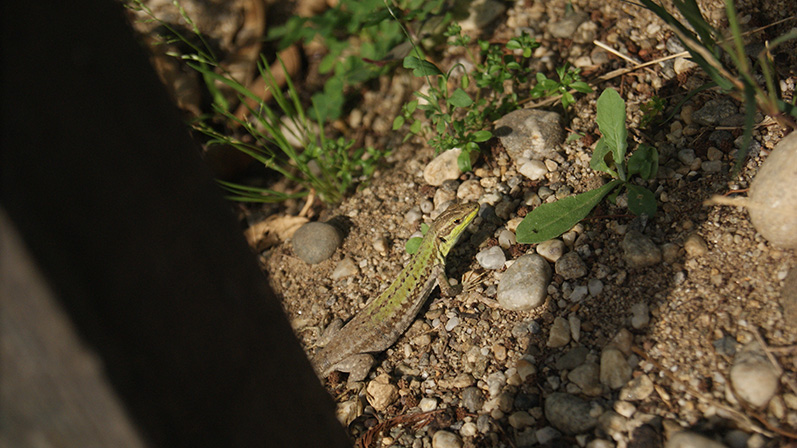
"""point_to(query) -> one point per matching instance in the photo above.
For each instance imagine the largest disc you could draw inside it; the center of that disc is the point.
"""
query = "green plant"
(358, 35)
(732, 73)
(651, 110)
(569, 79)
(551, 220)
(327, 166)
(455, 119)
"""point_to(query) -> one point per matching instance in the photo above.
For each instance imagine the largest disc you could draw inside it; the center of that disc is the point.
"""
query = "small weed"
(569, 79)
(551, 220)
(651, 111)
(363, 25)
(455, 119)
(326, 166)
(708, 46)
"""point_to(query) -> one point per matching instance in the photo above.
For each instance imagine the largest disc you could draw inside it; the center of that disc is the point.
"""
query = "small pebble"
(560, 333)
(428, 404)
(469, 429)
(578, 294)
(533, 169)
(587, 377)
(551, 250)
(575, 327)
(506, 239)
(639, 251)
(524, 285)
(571, 266)
(344, 268)
(637, 389)
(753, 376)
(492, 258)
(520, 420)
(315, 242)
(695, 246)
(569, 413)
(442, 168)
(470, 190)
(525, 369)
(445, 439)
(686, 156)
(595, 287)
(624, 408)
(640, 316)
(615, 371)
(473, 399)
(381, 393)
(381, 244)
(573, 358)
(546, 435)
(688, 439)
(711, 166)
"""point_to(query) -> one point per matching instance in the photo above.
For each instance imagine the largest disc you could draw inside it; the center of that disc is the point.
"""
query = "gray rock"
(566, 28)
(753, 376)
(492, 258)
(595, 287)
(533, 169)
(637, 389)
(615, 371)
(715, 112)
(524, 285)
(711, 166)
(571, 266)
(560, 333)
(442, 168)
(773, 208)
(314, 242)
(587, 377)
(530, 133)
(686, 156)
(688, 439)
(568, 413)
(639, 251)
(640, 316)
(445, 439)
(573, 358)
(481, 13)
(473, 399)
(546, 435)
(551, 250)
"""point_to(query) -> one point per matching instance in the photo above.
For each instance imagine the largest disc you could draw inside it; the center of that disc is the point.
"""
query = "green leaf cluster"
(551, 220)
(569, 79)
(330, 167)
(453, 117)
(355, 33)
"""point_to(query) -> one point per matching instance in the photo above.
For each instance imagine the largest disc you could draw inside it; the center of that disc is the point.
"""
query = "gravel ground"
(624, 350)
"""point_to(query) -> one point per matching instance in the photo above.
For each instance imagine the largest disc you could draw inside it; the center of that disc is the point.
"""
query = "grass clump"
(323, 165)
(723, 58)
(551, 220)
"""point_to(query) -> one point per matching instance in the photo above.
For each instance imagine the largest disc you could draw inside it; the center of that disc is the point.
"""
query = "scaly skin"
(386, 318)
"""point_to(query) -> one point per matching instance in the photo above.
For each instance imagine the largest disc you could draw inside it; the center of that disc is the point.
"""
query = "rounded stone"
(315, 242)
(571, 266)
(524, 285)
(753, 377)
(569, 414)
(551, 250)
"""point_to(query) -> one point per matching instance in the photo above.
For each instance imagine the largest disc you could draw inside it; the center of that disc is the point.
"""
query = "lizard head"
(450, 225)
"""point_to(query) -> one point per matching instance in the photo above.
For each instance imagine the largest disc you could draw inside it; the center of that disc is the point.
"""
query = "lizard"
(384, 319)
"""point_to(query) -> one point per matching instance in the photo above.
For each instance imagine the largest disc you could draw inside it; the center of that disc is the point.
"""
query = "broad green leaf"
(460, 99)
(574, 136)
(482, 136)
(463, 161)
(551, 220)
(398, 122)
(421, 68)
(644, 161)
(581, 86)
(598, 161)
(415, 127)
(641, 201)
(611, 122)
(412, 245)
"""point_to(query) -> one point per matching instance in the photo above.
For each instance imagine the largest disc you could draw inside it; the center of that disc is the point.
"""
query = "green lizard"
(386, 318)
